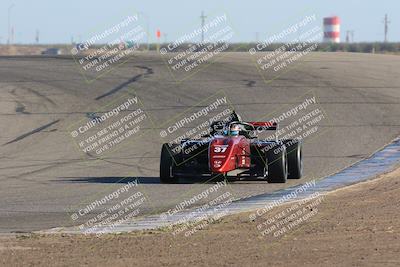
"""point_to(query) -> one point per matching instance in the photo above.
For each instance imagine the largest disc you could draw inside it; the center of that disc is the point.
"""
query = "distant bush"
(322, 47)
(376, 47)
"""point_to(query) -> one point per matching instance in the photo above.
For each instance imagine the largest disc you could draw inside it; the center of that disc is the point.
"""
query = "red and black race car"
(233, 150)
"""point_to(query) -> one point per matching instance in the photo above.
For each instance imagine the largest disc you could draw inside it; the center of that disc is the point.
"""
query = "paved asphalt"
(45, 178)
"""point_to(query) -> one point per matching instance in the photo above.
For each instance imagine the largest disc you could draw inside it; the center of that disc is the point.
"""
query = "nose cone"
(220, 152)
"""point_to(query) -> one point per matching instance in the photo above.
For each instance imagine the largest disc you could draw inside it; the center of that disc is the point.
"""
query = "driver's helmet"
(234, 130)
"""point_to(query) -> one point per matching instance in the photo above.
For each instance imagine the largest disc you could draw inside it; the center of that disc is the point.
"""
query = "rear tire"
(166, 166)
(277, 164)
(295, 158)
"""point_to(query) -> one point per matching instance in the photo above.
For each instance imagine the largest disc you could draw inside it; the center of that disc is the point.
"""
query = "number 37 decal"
(220, 149)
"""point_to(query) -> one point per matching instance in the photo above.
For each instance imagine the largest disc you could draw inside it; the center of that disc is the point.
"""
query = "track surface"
(43, 177)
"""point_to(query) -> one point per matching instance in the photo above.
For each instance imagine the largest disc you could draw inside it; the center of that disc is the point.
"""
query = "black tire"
(277, 164)
(295, 158)
(166, 166)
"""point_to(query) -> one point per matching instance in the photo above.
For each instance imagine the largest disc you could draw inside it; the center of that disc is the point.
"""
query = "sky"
(63, 21)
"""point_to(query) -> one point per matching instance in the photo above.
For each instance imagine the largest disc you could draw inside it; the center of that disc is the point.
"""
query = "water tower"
(332, 30)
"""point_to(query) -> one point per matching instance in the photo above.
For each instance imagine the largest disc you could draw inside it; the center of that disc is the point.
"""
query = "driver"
(217, 126)
(234, 130)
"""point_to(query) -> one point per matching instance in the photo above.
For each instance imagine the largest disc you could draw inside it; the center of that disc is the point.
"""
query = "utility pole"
(257, 34)
(37, 37)
(9, 24)
(386, 22)
(350, 36)
(203, 20)
(12, 34)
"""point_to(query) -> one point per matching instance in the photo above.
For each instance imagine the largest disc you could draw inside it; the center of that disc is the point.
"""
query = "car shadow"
(125, 180)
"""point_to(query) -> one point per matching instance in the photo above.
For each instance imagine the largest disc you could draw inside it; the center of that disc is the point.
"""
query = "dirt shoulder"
(358, 225)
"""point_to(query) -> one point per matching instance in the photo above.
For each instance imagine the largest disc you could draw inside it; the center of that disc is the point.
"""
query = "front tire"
(277, 164)
(295, 158)
(166, 166)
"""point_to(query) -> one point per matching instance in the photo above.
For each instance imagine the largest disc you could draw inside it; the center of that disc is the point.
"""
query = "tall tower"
(386, 22)
(37, 40)
(332, 30)
(203, 20)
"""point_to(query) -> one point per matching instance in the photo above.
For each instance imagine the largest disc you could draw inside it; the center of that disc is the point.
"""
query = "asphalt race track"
(45, 178)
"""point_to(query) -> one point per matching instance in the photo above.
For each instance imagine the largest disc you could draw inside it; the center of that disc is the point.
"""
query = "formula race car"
(232, 150)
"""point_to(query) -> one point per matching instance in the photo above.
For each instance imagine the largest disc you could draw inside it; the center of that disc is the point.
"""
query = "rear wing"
(264, 125)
